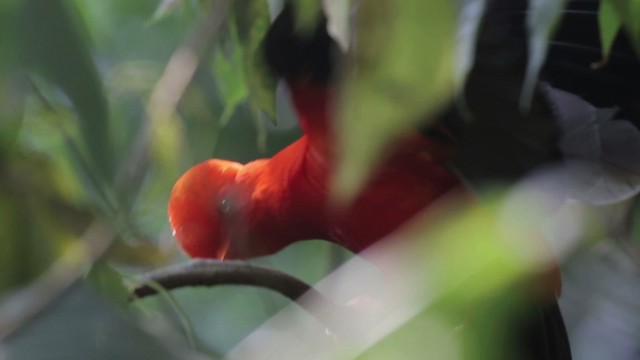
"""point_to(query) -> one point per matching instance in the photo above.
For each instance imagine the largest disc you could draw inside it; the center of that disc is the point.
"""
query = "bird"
(267, 204)
(226, 210)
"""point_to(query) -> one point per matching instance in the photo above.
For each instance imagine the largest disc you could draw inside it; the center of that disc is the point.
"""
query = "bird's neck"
(314, 106)
(285, 206)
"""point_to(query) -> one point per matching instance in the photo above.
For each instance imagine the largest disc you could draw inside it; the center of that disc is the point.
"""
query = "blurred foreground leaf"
(610, 24)
(53, 45)
(252, 20)
(402, 77)
(542, 19)
(454, 280)
(629, 12)
(307, 12)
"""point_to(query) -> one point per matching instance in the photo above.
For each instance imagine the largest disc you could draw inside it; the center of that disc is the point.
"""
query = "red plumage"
(221, 209)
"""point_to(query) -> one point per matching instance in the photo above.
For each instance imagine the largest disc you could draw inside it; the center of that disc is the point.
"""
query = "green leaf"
(402, 77)
(230, 75)
(307, 13)
(252, 21)
(165, 8)
(107, 282)
(8, 43)
(53, 45)
(542, 19)
(629, 12)
(338, 22)
(610, 24)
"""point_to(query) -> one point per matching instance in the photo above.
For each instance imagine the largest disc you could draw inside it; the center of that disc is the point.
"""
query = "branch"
(215, 272)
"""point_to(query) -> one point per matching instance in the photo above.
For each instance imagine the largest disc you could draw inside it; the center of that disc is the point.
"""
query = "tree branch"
(215, 272)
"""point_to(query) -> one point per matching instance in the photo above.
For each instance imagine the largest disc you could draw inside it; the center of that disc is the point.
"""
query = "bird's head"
(202, 205)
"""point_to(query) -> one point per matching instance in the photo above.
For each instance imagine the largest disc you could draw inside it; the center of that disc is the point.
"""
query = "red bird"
(223, 209)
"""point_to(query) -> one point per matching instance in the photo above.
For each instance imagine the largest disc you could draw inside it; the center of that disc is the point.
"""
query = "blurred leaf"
(12, 87)
(199, 105)
(142, 253)
(165, 8)
(307, 12)
(610, 24)
(252, 22)
(41, 135)
(229, 72)
(38, 220)
(542, 19)
(53, 45)
(107, 282)
(454, 279)
(629, 12)
(134, 78)
(412, 340)
(92, 330)
(8, 22)
(402, 77)
(469, 19)
(602, 153)
(339, 22)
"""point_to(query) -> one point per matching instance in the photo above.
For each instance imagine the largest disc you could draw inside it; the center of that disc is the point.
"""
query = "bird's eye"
(226, 206)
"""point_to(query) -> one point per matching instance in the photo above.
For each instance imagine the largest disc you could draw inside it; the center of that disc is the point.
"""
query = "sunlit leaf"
(426, 331)
(629, 12)
(610, 25)
(53, 44)
(402, 77)
(542, 19)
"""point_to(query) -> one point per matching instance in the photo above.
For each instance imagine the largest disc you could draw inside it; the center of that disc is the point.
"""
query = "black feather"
(291, 54)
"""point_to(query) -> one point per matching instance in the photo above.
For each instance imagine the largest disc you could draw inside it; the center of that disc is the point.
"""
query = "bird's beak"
(223, 252)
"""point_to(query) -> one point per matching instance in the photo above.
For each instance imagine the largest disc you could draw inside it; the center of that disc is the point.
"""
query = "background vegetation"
(103, 105)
